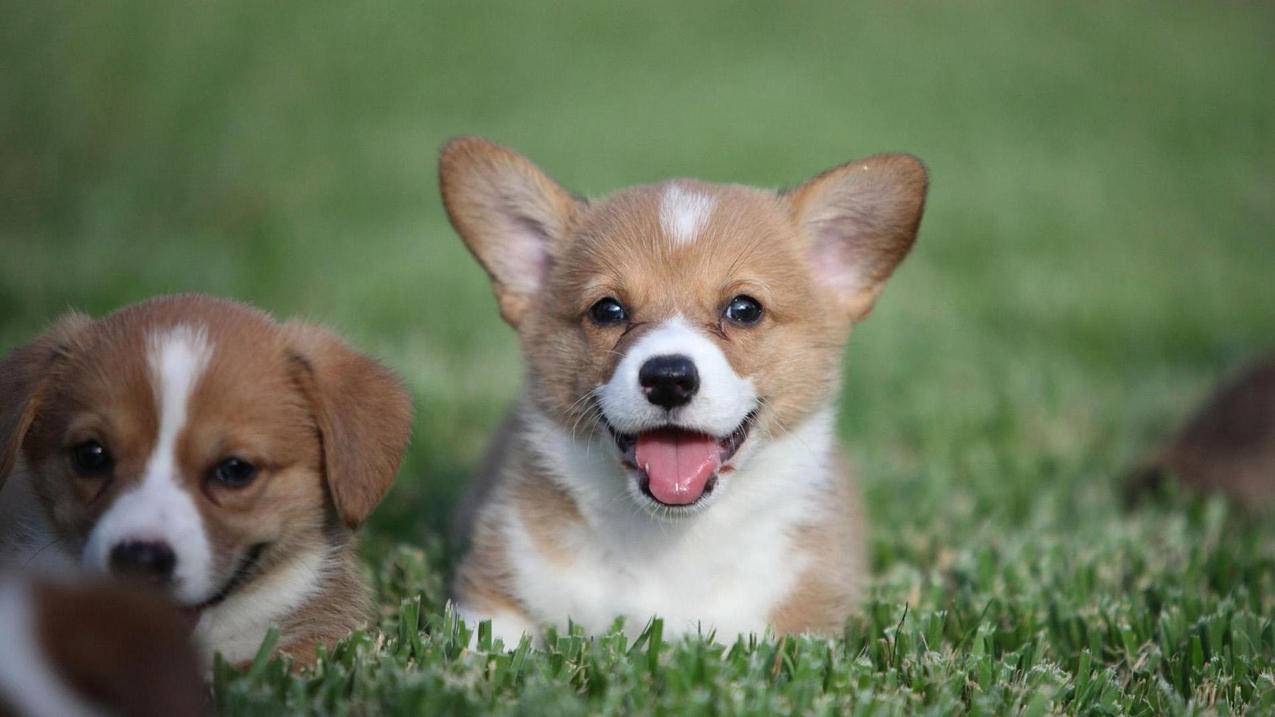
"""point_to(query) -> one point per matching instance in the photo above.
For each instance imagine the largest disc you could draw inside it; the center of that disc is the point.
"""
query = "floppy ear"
(860, 219)
(510, 214)
(363, 414)
(22, 378)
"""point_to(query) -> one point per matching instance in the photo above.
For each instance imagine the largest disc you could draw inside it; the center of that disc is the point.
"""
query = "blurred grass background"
(1098, 246)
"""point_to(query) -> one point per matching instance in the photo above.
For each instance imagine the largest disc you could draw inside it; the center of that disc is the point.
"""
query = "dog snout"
(152, 561)
(669, 381)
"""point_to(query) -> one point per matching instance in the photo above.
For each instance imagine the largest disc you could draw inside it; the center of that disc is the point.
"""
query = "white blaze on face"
(720, 405)
(159, 508)
(684, 213)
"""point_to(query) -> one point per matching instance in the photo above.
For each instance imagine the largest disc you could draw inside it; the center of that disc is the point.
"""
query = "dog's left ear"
(860, 220)
(363, 413)
(23, 374)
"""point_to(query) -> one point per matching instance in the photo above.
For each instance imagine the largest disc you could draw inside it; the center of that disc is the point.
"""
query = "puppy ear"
(23, 374)
(510, 214)
(363, 413)
(861, 219)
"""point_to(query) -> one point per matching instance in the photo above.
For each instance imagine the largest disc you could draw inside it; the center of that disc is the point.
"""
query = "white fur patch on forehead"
(159, 508)
(721, 403)
(177, 358)
(684, 213)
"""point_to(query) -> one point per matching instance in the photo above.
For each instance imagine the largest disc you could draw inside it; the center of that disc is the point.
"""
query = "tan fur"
(324, 425)
(816, 258)
(342, 604)
(833, 583)
(831, 209)
(363, 415)
(475, 178)
(545, 509)
(485, 579)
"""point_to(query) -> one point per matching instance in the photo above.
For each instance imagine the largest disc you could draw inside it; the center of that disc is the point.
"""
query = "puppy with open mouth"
(198, 446)
(674, 451)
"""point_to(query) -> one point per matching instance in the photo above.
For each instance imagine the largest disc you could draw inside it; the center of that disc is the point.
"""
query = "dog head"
(193, 442)
(690, 321)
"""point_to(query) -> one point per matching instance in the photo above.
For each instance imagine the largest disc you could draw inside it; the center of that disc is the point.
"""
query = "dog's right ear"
(23, 374)
(510, 214)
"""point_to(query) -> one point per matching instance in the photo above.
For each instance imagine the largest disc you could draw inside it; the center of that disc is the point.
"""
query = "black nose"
(153, 561)
(669, 381)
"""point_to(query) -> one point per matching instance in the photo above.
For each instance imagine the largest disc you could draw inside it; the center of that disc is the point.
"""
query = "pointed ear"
(860, 219)
(363, 413)
(510, 214)
(23, 375)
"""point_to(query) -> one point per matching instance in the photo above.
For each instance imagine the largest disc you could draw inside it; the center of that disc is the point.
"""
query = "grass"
(1096, 252)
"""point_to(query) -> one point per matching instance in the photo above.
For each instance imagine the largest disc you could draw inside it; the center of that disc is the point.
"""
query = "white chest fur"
(724, 569)
(236, 627)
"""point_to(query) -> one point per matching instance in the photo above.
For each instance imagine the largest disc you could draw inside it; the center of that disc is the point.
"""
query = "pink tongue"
(678, 463)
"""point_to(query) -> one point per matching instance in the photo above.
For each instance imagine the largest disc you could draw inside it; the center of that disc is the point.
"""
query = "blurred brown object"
(89, 648)
(1227, 447)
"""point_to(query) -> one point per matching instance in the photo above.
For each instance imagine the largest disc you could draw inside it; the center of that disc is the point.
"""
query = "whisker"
(587, 406)
(786, 431)
(43, 548)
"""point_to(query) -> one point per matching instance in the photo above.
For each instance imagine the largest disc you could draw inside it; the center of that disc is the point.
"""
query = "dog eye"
(743, 310)
(91, 458)
(607, 312)
(234, 472)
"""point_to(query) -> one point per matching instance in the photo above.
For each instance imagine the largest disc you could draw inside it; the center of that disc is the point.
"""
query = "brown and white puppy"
(77, 648)
(199, 445)
(674, 451)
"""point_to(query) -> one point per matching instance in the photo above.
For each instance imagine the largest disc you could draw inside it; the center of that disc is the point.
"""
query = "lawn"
(1098, 249)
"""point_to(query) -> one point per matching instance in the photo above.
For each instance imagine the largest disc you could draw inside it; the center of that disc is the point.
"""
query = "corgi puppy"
(674, 452)
(75, 649)
(199, 446)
